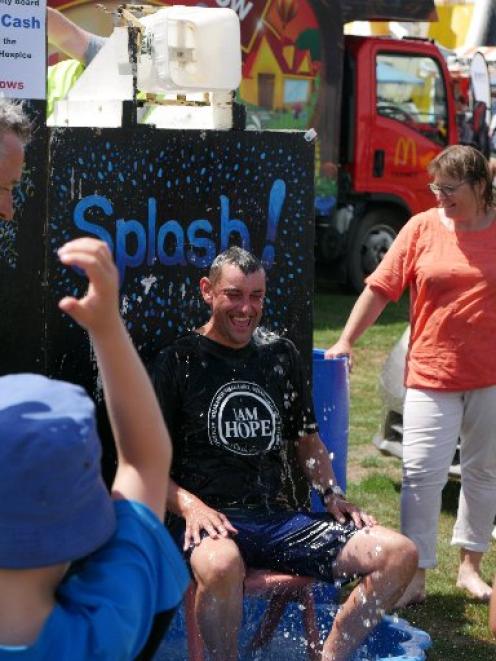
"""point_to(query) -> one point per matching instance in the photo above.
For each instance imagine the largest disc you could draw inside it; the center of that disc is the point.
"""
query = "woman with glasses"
(447, 256)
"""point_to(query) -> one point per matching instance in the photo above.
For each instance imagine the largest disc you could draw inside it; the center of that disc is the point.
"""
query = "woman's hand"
(341, 348)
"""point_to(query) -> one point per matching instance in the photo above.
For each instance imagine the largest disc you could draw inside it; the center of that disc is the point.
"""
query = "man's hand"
(198, 517)
(97, 310)
(342, 509)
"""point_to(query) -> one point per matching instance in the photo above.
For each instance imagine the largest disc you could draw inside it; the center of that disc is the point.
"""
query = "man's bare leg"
(219, 573)
(415, 591)
(387, 561)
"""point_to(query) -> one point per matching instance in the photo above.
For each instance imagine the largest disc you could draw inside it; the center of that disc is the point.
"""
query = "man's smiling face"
(11, 162)
(236, 301)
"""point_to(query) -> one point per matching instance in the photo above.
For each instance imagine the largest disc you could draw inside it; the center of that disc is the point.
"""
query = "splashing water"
(148, 283)
(124, 305)
(290, 643)
(264, 336)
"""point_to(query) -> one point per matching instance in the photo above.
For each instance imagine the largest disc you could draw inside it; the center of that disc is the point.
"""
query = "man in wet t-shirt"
(234, 398)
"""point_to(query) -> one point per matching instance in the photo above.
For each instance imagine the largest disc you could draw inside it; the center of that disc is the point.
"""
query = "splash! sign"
(167, 202)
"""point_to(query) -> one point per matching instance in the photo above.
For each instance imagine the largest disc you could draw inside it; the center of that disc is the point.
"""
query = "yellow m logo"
(405, 152)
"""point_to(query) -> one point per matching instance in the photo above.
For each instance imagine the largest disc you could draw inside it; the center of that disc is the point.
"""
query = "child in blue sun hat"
(83, 574)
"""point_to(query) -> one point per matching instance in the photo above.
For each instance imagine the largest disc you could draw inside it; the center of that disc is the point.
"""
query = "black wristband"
(325, 493)
(332, 491)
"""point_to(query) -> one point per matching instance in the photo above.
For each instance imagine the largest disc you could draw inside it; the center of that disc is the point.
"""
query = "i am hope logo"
(169, 242)
(244, 419)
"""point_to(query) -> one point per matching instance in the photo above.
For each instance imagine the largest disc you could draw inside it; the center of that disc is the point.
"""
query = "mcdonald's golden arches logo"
(405, 152)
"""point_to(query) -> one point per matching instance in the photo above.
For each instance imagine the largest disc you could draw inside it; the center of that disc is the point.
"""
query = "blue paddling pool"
(393, 639)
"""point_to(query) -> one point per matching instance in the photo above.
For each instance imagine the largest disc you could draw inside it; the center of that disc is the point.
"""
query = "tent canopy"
(388, 10)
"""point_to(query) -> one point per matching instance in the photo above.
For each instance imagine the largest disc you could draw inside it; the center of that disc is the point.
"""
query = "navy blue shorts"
(302, 543)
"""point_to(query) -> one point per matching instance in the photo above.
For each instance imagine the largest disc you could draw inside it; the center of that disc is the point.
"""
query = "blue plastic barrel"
(331, 400)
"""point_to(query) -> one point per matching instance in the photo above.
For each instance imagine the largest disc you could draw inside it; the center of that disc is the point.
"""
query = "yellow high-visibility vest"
(60, 78)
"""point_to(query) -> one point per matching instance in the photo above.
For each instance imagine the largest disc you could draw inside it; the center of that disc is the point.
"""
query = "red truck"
(398, 111)
(382, 109)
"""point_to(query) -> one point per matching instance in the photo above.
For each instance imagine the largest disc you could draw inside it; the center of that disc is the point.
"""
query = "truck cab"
(398, 113)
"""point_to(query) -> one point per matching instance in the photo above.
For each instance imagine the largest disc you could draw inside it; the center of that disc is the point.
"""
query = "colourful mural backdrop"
(280, 42)
(292, 63)
(281, 54)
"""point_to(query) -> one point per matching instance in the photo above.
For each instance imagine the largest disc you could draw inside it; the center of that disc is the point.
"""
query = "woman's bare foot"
(476, 587)
(415, 592)
(469, 578)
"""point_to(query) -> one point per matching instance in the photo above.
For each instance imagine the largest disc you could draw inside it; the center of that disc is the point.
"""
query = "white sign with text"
(23, 49)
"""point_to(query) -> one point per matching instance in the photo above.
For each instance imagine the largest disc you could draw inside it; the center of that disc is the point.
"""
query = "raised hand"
(98, 309)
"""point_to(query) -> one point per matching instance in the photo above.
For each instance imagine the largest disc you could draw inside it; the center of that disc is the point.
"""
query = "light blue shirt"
(108, 600)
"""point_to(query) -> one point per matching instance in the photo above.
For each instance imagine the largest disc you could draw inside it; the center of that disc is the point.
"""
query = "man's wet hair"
(14, 119)
(244, 260)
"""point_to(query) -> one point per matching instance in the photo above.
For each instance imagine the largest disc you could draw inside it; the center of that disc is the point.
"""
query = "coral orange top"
(452, 279)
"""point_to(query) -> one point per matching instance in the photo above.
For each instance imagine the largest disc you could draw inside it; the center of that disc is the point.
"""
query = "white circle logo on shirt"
(244, 419)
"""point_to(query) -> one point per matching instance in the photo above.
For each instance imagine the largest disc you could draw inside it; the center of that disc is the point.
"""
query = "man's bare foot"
(415, 592)
(472, 583)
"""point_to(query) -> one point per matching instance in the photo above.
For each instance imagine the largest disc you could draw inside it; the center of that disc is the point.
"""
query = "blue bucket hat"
(54, 506)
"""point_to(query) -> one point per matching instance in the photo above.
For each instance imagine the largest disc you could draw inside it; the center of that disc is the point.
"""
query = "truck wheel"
(375, 234)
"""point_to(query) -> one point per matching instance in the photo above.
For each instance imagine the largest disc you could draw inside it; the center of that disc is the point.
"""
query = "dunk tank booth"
(166, 200)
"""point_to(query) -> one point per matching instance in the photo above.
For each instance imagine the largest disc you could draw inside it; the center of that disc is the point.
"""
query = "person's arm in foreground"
(141, 437)
(492, 610)
(313, 457)
(66, 36)
(367, 308)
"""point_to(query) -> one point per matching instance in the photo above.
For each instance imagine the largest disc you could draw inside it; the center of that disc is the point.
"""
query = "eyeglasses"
(447, 190)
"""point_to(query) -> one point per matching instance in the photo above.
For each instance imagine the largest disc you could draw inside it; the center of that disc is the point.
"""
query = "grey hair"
(14, 119)
(244, 260)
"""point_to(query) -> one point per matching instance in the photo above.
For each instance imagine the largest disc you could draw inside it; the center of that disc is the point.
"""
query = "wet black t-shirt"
(231, 414)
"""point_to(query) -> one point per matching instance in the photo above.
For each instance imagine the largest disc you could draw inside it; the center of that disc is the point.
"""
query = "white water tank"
(190, 49)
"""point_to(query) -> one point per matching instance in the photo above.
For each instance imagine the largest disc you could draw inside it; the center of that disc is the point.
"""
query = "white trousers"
(432, 422)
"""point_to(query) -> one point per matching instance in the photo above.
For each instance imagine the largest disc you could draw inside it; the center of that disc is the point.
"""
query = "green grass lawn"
(457, 625)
